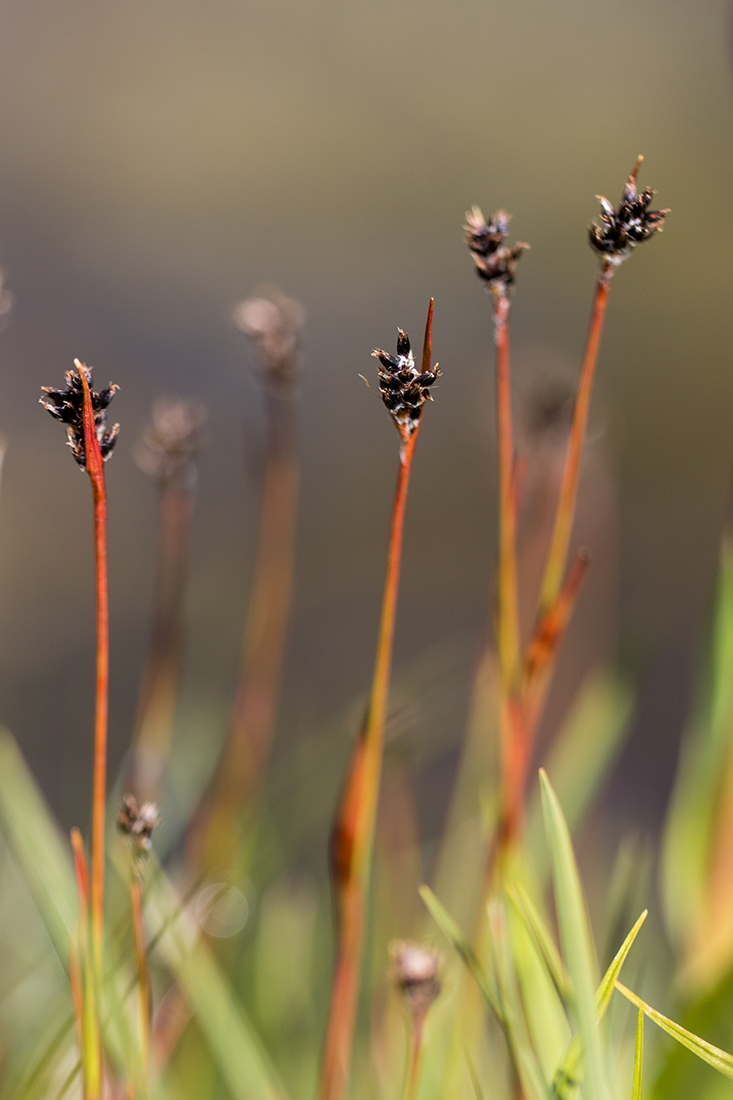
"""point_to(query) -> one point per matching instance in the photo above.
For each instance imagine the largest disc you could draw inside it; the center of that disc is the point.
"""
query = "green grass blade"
(605, 989)
(233, 1043)
(537, 928)
(453, 934)
(525, 1059)
(583, 752)
(638, 1056)
(714, 1056)
(42, 854)
(576, 939)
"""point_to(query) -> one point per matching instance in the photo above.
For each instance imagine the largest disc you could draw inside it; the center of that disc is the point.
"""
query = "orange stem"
(95, 469)
(558, 552)
(353, 836)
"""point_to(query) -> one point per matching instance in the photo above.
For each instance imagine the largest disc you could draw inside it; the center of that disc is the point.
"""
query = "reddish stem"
(353, 836)
(558, 552)
(95, 468)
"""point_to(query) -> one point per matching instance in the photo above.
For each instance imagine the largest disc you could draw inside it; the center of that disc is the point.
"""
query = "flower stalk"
(404, 389)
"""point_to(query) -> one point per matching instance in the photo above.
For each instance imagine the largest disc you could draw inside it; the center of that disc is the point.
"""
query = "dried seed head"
(138, 823)
(172, 441)
(622, 229)
(496, 262)
(403, 386)
(68, 407)
(275, 323)
(415, 973)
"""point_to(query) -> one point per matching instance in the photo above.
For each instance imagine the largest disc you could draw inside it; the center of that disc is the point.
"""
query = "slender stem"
(156, 706)
(557, 555)
(353, 836)
(143, 972)
(253, 715)
(414, 1063)
(511, 732)
(508, 611)
(95, 469)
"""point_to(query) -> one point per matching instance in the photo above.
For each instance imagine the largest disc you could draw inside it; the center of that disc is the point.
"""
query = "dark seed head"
(404, 389)
(67, 406)
(621, 229)
(495, 260)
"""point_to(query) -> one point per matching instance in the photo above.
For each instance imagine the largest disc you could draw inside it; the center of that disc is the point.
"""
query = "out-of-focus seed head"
(404, 388)
(68, 407)
(172, 442)
(138, 823)
(495, 260)
(623, 228)
(275, 324)
(415, 972)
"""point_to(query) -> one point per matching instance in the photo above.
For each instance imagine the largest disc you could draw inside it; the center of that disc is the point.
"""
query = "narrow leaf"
(538, 929)
(575, 936)
(638, 1056)
(714, 1056)
(452, 932)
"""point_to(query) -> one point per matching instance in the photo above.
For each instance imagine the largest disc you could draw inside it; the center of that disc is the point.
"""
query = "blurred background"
(159, 160)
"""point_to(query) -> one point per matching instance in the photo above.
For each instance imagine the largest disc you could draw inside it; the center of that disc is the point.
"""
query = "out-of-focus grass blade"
(42, 854)
(582, 754)
(526, 1063)
(452, 932)
(714, 1056)
(638, 1056)
(525, 907)
(605, 989)
(569, 1072)
(576, 938)
(232, 1041)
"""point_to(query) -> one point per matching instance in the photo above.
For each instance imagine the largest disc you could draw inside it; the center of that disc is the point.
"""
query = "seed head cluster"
(275, 324)
(496, 261)
(622, 229)
(403, 387)
(68, 407)
(415, 973)
(138, 822)
(172, 442)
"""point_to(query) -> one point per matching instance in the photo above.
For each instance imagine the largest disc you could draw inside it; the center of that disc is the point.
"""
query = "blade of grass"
(229, 1034)
(638, 1056)
(714, 1056)
(575, 937)
(569, 1072)
(540, 933)
(453, 934)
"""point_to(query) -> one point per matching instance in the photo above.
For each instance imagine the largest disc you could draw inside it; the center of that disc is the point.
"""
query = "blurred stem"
(95, 469)
(252, 721)
(512, 735)
(84, 984)
(352, 840)
(414, 1059)
(156, 707)
(565, 514)
(143, 972)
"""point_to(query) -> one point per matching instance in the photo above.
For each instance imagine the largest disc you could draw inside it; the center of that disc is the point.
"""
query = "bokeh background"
(159, 160)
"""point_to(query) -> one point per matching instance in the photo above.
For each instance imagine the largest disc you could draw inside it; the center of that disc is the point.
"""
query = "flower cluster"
(622, 229)
(415, 973)
(403, 387)
(496, 261)
(138, 823)
(68, 407)
(171, 443)
(275, 323)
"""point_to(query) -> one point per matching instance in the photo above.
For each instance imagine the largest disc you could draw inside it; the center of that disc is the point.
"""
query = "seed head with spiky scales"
(623, 228)
(403, 387)
(496, 261)
(68, 407)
